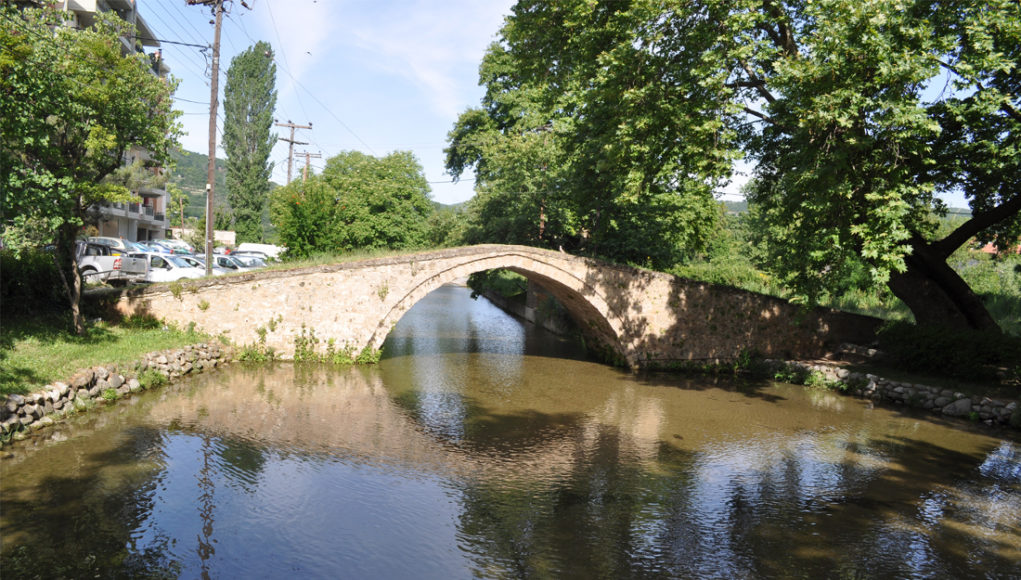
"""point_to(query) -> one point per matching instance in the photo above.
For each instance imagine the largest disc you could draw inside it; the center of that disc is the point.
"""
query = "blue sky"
(370, 75)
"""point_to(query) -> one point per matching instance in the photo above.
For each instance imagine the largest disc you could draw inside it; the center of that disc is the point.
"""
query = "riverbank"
(103, 384)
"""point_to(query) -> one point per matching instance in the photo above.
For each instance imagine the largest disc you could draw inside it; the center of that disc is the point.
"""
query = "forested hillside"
(189, 173)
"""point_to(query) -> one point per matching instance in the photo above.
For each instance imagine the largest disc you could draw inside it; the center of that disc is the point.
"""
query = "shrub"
(968, 354)
(31, 281)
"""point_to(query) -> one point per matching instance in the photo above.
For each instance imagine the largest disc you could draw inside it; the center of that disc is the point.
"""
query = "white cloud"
(428, 47)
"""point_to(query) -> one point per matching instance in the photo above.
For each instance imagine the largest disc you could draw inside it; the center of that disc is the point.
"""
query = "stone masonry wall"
(641, 317)
(42, 408)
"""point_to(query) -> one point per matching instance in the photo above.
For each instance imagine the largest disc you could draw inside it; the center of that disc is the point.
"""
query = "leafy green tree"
(248, 102)
(857, 115)
(578, 81)
(869, 110)
(359, 201)
(72, 105)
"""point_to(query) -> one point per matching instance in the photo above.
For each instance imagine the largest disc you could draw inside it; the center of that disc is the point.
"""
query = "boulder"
(959, 408)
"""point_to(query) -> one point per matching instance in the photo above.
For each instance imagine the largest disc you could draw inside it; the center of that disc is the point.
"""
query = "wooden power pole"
(308, 160)
(292, 142)
(214, 93)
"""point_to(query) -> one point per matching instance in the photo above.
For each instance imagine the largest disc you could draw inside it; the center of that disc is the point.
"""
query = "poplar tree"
(249, 99)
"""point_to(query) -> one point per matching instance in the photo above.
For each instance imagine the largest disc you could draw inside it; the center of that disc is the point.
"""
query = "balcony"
(132, 208)
(147, 211)
(160, 217)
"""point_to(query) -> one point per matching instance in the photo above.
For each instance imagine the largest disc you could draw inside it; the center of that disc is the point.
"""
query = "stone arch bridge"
(637, 317)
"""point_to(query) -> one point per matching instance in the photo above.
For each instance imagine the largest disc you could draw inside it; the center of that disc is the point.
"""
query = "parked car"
(168, 268)
(250, 261)
(149, 246)
(179, 246)
(201, 263)
(118, 246)
(230, 264)
(269, 250)
(98, 263)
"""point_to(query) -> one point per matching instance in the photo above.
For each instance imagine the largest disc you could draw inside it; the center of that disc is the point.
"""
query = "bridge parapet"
(638, 316)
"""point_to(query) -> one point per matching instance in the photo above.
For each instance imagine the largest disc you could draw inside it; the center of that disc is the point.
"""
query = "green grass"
(37, 352)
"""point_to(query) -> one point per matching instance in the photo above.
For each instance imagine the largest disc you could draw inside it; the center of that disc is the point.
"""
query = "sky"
(369, 75)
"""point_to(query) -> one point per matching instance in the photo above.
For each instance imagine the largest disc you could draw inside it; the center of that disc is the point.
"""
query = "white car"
(199, 261)
(168, 268)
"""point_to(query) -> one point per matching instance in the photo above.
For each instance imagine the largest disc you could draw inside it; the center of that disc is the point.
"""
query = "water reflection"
(459, 457)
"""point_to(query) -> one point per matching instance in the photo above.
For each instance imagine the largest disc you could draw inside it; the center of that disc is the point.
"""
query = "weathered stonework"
(20, 413)
(938, 400)
(640, 317)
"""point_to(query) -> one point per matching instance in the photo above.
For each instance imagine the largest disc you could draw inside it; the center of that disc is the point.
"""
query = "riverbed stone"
(83, 379)
(101, 373)
(134, 386)
(115, 381)
(959, 408)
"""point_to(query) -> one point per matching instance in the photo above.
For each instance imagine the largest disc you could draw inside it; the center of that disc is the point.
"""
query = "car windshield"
(180, 262)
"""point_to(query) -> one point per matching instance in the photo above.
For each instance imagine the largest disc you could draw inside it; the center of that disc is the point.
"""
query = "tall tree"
(72, 105)
(857, 114)
(359, 201)
(248, 102)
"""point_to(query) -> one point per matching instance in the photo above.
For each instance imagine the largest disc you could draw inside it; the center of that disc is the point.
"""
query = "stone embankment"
(20, 413)
(942, 401)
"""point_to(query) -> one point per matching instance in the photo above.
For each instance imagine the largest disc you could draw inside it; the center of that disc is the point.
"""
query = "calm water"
(479, 448)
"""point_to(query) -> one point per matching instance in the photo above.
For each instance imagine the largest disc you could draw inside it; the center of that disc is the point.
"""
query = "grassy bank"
(38, 351)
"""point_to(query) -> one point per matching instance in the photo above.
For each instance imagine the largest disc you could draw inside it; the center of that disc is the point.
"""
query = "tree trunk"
(936, 294)
(66, 237)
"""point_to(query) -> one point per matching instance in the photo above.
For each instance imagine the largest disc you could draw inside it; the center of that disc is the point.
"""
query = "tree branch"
(758, 84)
(759, 114)
(1006, 107)
(976, 224)
(784, 36)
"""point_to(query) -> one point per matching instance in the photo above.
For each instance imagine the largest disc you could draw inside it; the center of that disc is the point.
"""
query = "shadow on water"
(77, 521)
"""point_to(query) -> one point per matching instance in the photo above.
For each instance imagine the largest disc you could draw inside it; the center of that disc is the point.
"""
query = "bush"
(30, 282)
(967, 354)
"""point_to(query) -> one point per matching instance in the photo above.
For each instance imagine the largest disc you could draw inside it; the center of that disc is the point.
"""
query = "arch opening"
(598, 326)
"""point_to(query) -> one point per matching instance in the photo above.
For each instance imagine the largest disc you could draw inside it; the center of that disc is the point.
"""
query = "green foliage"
(359, 202)
(203, 305)
(305, 345)
(190, 173)
(946, 350)
(503, 282)
(30, 280)
(72, 105)
(597, 134)
(853, 149)
(110, 395)
(151, 379)
(606, 127)
(248, 103)
(141, 322)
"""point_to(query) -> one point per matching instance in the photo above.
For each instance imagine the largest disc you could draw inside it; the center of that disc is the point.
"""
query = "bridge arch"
(598, 321)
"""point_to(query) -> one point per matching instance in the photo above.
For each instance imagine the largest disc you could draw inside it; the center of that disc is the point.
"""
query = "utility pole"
(308, 157)
(214, 92)
(292, 142)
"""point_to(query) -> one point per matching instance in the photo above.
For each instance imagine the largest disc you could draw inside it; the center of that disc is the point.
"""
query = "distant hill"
(190, 172)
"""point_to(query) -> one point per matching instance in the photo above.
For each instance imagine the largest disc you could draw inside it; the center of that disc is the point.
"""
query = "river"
(480, 447)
